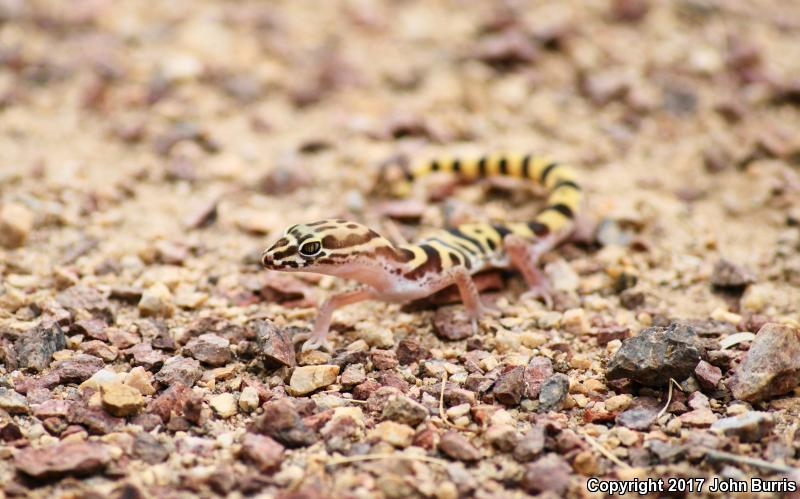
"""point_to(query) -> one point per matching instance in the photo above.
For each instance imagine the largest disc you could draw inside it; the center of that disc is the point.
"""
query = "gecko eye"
(310, 248)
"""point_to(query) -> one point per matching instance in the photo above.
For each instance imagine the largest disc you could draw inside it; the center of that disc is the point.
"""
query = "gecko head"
(324, 247)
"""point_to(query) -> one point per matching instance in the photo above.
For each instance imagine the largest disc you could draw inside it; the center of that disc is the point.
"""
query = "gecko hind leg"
(525, 254)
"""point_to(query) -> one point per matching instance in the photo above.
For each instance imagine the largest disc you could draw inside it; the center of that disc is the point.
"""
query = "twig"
(752, 461)
(443, 414)
(373, 457)
(602, 450)
(669, 397)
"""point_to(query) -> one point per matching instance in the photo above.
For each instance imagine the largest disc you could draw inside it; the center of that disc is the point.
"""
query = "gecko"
(406, 272)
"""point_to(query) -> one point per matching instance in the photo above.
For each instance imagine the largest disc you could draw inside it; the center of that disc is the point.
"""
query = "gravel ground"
(151, 150)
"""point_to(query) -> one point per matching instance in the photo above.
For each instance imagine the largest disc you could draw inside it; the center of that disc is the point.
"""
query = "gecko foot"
(541, 292)
(317, 344)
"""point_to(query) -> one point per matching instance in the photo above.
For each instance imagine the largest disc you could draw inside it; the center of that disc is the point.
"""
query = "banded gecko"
(452, 256)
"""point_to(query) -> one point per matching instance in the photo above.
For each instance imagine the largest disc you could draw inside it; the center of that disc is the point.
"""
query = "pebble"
(575, 321)
(224, 404)
(771, 366)
(510, 386)
(306, 379)
(148, 448)
(450, 323)
(752, 426)
(121, 400)
(179, 369)
(699, 417)
(456, 446)
(731, 277)
(530, 445)
(16, 223)
(209, 349)
(144, 355)
(502, 437)
(539, 369)
(550, 473)
(639, 417)
(249, 399)
(395, 434)
(402, 409)
(275, 345)
(71, 458)
(77, 369)
(707, 375)
(156, 301)
(141, 380)
(282, 422)
(657, 354)
(383, 359)
(554, 391)
(266, 453)
(36, 347)
(409, 350)
(618, 403)
(97, 348)
(353, 374)
(12, 402)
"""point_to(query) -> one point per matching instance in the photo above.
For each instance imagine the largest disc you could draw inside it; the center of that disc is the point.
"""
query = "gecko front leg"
(318, 337)
(525, 255)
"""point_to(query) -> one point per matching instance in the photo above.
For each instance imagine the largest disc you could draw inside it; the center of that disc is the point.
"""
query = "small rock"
(502, 437)
(456, 446)
(100, 349)
(80, 299)
(249, 399)
(731, 277)
(554, 391)
(93, 328)
(771, 366)
(752, 426)
(657, 354)
(275, 345)
(141, 380)
(402, 409)
(383, 359)
(409, 350)
(156, 301)
(530, 445)
(147, 448)
(707, 375)
(224, 404)
(450, 323)
(144, 355)
(699, 417)
(539, 369)
(71, 458)
(306, 379)
(266, 453)
(353, 374)
(510, 386)
(618, 403)
(639, 417)
(550, 473)
(179, 369)
(209, 349)
(169, 401)
(121, 400)
(12, 402)
(35, 348)
(396, 434)
(282, 422)
(77, 369)
(629, 10)
(122, 339)
(16, 223)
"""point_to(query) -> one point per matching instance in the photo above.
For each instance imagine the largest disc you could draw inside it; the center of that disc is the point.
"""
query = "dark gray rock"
(657, 354)
(36, 347)
(554, 391)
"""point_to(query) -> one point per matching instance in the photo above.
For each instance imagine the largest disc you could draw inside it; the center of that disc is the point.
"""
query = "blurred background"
(130, 129)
